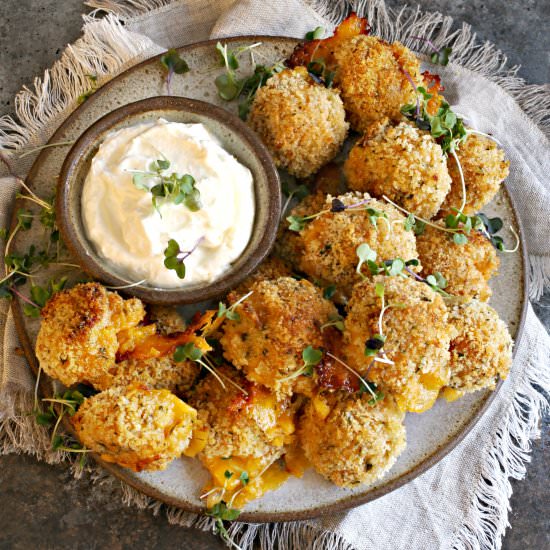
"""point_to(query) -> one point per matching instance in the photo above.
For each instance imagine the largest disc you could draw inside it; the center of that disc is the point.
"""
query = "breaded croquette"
(245, 425)
(277, 322)
(156, 373)
(482, 350)
(372, 77)
(350, 440)
(402, 162)
(301, 122)
(77, 341)
(466, 267)
(484, 169)
(135, 427)
(326, 249)
(414, 364)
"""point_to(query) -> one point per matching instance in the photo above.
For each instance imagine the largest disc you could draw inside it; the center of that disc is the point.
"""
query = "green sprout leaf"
(187, 352)
(244, 478)
(172, 61)
(460, 238)
(315, 34)
(365, 254)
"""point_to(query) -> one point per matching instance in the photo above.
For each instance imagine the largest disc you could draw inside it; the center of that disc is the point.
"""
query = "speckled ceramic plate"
(430, 435)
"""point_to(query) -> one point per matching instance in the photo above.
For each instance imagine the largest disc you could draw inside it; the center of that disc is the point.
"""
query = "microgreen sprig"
(221, 512)
(319, 72)
(334, 320)
(311, 357)
(174, 257)
(439, 56)
(229, 312)
(177, 189)
(230, 86)
(315, 34)
(173, 63)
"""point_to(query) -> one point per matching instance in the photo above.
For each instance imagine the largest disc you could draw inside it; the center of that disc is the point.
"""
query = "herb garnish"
(230, 86)
(177, 189)
(311, 357)
(315, 34)
(439, 56)
(318, 70)
(221, 512)
(40, 295)
(334, 320)
(229, 312)
(174, 257)
(172, 61)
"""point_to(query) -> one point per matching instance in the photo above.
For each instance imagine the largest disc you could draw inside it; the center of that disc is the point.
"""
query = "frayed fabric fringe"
(106, 49)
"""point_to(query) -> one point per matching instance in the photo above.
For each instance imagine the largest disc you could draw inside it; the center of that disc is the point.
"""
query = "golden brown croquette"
(135, 427)
(371, 76)
(402, 162)
(301, 122)
(326, 249)
(277, 322)
(484, 169)
(417, 335)
(350, 441)
(466, 267)
(482, 350)
(77, 341)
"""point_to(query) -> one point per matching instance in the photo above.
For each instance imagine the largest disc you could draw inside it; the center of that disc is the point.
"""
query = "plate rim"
(344, 503)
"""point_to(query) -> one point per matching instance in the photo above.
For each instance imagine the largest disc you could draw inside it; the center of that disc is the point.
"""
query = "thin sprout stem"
(69, 450)
(8, 243)
(130, 285)
(427, 222)
(382, 311)
(462, 182)
(54, 432)
(345, 365)
(512, 250)
(213, 490)
(36, 149)
(10, 274)
(429, 42)
(293, 375)
(409, 78)
(36, 384)
(240, 300)
(22, 297)
(37, 199)
(213, 372)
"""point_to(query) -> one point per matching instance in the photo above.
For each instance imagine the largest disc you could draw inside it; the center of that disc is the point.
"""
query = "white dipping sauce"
(128, 232)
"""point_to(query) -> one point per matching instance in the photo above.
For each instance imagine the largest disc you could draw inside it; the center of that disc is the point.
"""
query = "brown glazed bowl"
(234, 136)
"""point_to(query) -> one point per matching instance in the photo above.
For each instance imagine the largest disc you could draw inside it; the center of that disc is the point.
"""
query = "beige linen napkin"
(462, 501)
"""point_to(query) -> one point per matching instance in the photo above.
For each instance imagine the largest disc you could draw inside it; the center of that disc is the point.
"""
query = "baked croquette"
(135, 427)
(156, 373)
(350, 441)
(371, 75)
(301, 122)
(77, 341)
(326, 249)
(402, 162)
(251, 425)
(482, 350)
(417, 336)
(167, 319)
(277, 322)
(466, 267)
(484, 169)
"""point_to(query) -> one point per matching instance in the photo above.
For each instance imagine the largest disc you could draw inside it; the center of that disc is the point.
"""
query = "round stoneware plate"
(430, 436)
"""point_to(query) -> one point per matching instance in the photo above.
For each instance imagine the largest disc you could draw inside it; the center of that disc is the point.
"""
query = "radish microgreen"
(439, 56)
(315, 34)
(334, 320)
(174, 257)
(318, 71)
(311, 357)
(173, 63)
(177, 189)
(221, 512)
(229, 312)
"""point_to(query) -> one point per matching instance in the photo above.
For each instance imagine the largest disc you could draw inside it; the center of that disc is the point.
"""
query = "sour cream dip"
(126, 229)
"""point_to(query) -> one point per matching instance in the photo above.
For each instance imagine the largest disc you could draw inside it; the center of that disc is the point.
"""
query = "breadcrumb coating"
(402, 162)
(301, 122)
(350, 441)
(156, 373)
(135, 427)
(482, 350)
(269, 270)
(484, 169)
(77, 341)
(371, 76)
(239, 425)
(326, 249)
(467, 267)
(276, 323)
(417, 333)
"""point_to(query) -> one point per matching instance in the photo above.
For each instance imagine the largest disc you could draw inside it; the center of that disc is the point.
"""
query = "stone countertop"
(42, 505)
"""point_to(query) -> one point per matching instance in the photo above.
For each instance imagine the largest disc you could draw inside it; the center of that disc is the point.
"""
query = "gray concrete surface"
(41, 505)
